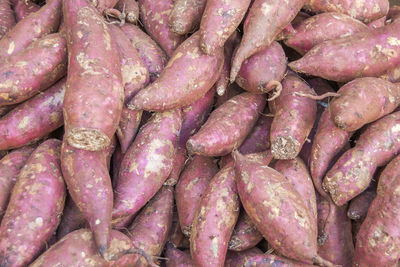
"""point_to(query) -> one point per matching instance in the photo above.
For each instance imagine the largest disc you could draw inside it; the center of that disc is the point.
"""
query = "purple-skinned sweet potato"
(34, 69)
(178, 165)
(10, 166)
(353, 171)
(294, 118)
(130, 8)
(176, 237)
(23, 8)
(7, 19)
(378, 240)
(322, 27)
(46, 20)
(245, 235)
(176, 257)
(219, 21)
(278, 211)
(173, 90)
(265, 20)
(215, 219)
(221, 133)
(152, 55)
(362, 101)
(35, 206)
(232, 90)
(33, 119)
(186, 15)
(72, 219)
(154, 16)
(147, 163)
(358, 207)
(95, 65)
(365, 54)
(263, 71)
(194, 180)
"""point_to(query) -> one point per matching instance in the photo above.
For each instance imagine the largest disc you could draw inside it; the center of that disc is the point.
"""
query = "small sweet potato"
(172, 90)
(46, 20)
(194, 180)
(364, 54)
(23, 8)
(178, 165)
(221, 133)
(245, 235)
(358, 207)
(294, 118)
(35, 207)
(353, 171)
(130, 8)
(147, 163)
(95, 65)
(378, 98)
(215, 219)
(177, 258)
(322, 27)
(263, 71)
(266, 19)
(72, 219)
(32, 70)
(186, 15)
(219, 21)
(154, 16)
(7, 19)
(10, 166)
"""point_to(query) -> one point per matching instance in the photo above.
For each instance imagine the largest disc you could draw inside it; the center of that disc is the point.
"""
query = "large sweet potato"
(23, 8)
(33, 119)
(7, 19)
(215, 218)
(176, 89)
(353, 171)
(186, 15)
(35, 207)
(245, 234)
(221, 133)
(96, 65)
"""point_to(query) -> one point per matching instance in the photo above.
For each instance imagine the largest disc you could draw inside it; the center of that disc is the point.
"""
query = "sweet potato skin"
(88, 61)
(46, 20)
(294, 118)
(171, 90)
(353, 171)
(178, 165)
(24, 8)
(260, 72)
(365, 54)
(33, 119)
(219, 21)
(33, 70)
(35, 207)
(177, 258)
(258, 139)
(358, 207)
(186, 15)
(147, 163)
(7, 19)
(154, 16)
(194, 180)
(378, 98)
(72, 219)
(322, 27)
(221, 134)
(245, 235)
(130, 8)
(215, 218)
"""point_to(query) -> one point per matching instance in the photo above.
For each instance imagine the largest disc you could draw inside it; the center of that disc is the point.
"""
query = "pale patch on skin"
(86, 64)
(23, 123)
(172, 60)
(214, 246)
(11, 48)
(266, 9)
(393, 41)
(133, 73)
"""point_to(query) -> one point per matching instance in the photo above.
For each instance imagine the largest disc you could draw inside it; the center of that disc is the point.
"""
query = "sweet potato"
(220, 19)
(176, 237)
(215, 218)
(186, 15)
(23, 8)
(335, 242)
(294, 118)
(147, 163)
(179, 163)
(232, 90)
(152, 55)
(71, 220)
(245, 235)
(353, 171)
(296, 172)
(266, 19)
(194, 180)
(33, 119)
(263, 71)
(234, 259)
(150, 229)
(278, 211)
(358, 207)
(35, 206)
(32, 70)
(364, 54)
(378, 241)
(177, 258)
(10, 166)
(130, 8)
(46, 20)
(7, 19)
(221, 134)
(392, 75)
(154, 16)
(367, 10)
(172, 90)
(96, 65)
(378, 98)
(322, 27)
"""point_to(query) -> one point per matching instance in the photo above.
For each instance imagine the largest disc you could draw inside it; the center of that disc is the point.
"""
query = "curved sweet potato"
(72, 219)
(130, 8)
(35, 207)
(186, 15)
(23, 8)
(177, 258)
(7, 19)
(245, 235)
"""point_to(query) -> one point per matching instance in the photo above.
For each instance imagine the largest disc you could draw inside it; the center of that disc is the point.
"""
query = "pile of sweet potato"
(199, 133)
